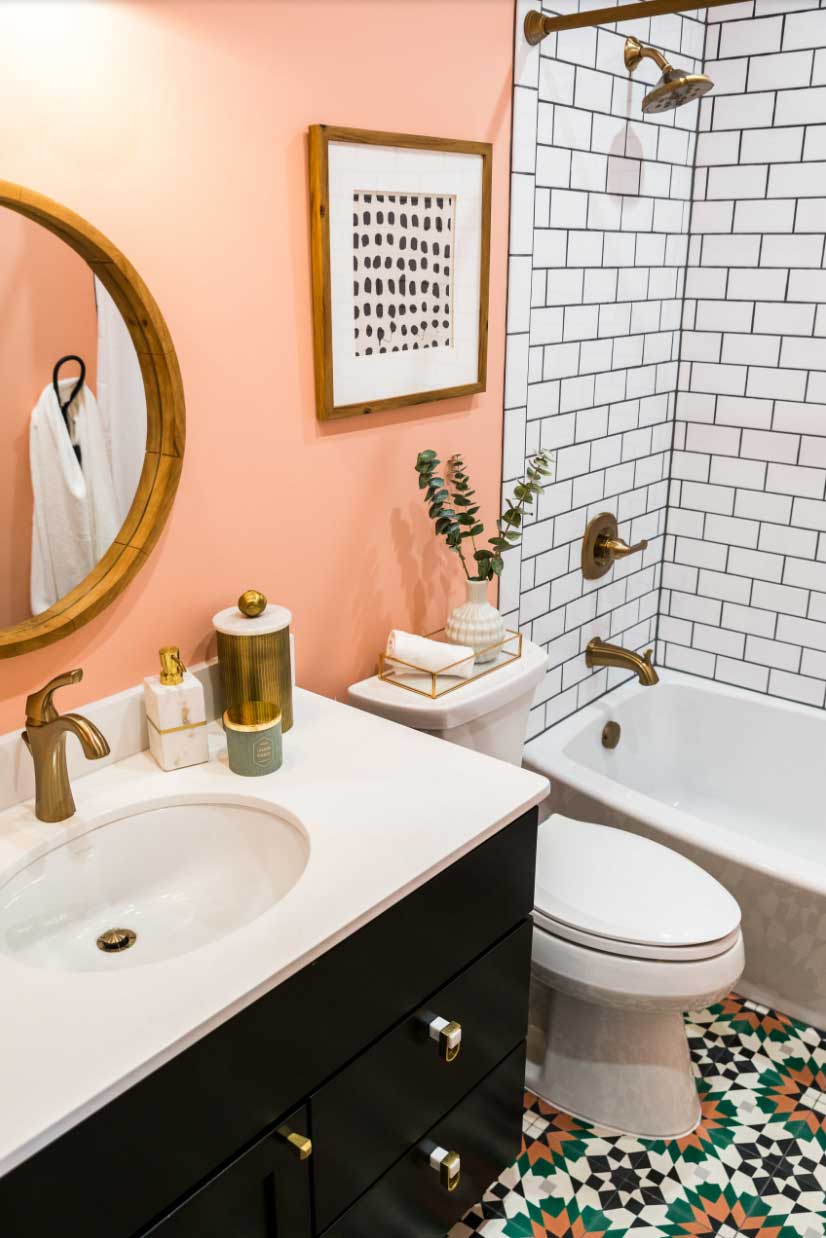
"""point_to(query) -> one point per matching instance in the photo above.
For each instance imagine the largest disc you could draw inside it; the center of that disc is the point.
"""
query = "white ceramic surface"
(180, 877)
(352, 781)
(623, 887)
(488, 715)
(607, 1040)
(730, 779)
(624, 1070)
(476, 622)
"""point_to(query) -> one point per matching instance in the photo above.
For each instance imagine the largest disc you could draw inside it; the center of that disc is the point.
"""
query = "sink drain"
(116, 939)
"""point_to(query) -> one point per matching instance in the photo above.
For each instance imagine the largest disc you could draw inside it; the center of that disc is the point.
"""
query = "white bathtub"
(735, 781)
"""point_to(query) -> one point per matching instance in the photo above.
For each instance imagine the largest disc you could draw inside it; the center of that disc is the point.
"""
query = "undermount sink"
(154, 883)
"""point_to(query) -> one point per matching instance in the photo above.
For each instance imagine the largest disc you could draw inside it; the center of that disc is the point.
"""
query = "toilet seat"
(632, 949)
(619, 893)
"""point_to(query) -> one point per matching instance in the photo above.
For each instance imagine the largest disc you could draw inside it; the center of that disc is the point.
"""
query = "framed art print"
(401, 264)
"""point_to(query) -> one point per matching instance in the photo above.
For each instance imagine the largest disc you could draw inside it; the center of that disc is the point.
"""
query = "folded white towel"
(431, 655)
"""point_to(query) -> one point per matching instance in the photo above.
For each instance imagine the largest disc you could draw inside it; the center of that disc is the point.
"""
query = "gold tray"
(434, 684)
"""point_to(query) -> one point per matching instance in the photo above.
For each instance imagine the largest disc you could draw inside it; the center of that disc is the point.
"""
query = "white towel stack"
(431, 655)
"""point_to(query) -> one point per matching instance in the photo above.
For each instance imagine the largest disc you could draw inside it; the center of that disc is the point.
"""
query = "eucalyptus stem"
(456, 515)
(464, 562)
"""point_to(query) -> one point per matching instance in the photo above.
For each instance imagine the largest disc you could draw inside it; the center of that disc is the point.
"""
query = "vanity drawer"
(485, 1129)
(264, 1193)
(384, 1100)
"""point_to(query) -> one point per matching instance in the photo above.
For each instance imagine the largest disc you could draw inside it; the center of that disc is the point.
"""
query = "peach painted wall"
(47, 309)
(179, 128)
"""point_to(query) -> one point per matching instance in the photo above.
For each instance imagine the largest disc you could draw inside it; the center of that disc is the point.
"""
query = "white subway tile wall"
(667, 339)
(601, 199)
(744, 583)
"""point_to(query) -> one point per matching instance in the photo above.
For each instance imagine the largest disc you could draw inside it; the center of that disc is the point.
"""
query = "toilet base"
(627, 1069)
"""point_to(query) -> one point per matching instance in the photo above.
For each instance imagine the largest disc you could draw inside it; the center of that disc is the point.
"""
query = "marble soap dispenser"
(176, 714)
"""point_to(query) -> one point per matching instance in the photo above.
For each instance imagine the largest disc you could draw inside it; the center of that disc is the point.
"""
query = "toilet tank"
(489, 714)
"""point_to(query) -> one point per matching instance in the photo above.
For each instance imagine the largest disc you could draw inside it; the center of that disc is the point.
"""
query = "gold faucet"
(598, 653)
(45, 738)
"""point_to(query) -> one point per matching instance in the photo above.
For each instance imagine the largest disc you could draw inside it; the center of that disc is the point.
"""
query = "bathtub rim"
(546, 755)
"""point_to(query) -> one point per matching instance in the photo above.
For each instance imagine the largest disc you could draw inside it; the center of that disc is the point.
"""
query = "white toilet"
(627, 933)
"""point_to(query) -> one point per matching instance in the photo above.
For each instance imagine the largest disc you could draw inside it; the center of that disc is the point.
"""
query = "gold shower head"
(675, 87)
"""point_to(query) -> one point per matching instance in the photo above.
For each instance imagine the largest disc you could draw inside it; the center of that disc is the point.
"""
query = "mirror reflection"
(73, 417)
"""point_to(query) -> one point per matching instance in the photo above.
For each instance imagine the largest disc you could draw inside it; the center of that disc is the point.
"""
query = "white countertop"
(385, 808)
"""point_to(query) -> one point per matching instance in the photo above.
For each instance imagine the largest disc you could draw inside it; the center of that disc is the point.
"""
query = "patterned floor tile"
(756, 1164)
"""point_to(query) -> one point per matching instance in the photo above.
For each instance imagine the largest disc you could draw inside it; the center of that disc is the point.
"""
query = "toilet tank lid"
(624, 887)
(468, 702)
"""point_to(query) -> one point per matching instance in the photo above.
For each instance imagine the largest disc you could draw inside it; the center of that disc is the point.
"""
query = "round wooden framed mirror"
(65, 476)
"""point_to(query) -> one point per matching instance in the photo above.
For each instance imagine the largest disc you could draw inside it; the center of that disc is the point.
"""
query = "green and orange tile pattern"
(755, 1166)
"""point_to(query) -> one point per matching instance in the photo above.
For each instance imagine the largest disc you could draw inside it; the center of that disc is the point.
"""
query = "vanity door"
(264, 1193)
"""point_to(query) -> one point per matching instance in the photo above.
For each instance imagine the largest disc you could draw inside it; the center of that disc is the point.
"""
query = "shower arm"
(636, 51)
(539, 25)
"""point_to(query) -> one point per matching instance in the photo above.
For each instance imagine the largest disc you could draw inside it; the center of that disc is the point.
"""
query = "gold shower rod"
(539, 25)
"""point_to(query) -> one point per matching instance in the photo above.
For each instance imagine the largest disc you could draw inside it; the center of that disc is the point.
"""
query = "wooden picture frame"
(165, 426)
(321, 137)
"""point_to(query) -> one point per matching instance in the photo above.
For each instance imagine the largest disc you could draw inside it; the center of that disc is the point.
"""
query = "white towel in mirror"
(74, 520)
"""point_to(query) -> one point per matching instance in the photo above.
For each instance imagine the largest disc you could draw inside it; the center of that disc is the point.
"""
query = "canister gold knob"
(252, 603)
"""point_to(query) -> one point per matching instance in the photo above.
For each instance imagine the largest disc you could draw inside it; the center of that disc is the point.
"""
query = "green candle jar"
(253, 731)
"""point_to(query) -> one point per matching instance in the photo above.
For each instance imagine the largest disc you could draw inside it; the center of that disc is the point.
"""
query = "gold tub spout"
(45, 738)
(598, 653)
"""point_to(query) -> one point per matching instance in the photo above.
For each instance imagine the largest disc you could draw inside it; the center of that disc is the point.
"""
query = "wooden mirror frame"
(165, 426)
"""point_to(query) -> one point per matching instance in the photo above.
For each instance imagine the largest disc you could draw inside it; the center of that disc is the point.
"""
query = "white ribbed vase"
(476, 623)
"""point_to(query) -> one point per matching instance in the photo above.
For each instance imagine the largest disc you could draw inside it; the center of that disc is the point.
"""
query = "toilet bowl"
(627, 935)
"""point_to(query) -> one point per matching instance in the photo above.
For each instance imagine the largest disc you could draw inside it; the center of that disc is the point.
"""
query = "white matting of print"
(358, 170)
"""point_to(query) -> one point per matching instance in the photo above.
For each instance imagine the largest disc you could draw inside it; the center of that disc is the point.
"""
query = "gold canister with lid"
(254, 654)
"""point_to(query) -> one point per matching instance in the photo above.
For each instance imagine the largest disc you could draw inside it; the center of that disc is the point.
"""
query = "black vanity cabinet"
(263, 1193)
(321, 1108)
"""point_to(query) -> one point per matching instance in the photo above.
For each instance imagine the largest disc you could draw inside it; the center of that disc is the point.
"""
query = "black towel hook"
(64, 407)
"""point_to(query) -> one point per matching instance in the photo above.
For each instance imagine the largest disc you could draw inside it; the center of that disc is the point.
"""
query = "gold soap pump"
(254, 654)
(172, 668)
